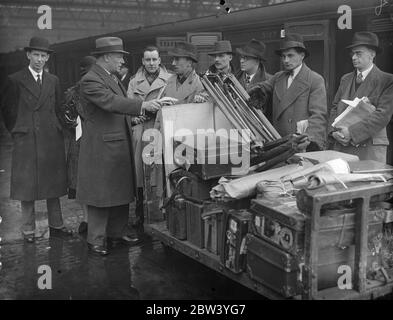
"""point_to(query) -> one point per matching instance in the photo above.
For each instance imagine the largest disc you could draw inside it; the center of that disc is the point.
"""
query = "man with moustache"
(367, 138)
(106, 172)
(222, 54)
(30, 105)
(185, 85)
(297, 96)
(146, 85)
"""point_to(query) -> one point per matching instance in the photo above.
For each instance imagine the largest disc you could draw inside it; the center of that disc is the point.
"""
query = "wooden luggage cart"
(362, 287)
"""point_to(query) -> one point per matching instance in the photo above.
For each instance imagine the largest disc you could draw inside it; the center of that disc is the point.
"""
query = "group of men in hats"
(114, 118)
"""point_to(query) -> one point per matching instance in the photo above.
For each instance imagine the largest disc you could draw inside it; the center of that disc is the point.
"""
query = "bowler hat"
(38, 43)
(223, 46)
(292, 40)
(364, 38)
(255, 49)
(184, 49)
(109, 45)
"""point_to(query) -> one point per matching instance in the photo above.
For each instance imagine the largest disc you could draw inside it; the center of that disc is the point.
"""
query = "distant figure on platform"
(297, 96)
(124, 75)
(367, 139)
(30, 105)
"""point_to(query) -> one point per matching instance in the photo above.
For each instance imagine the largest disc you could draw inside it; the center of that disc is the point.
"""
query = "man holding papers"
(358, 126)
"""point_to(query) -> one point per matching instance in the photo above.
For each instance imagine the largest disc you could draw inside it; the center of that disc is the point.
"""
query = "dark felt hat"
(365, 38)
(292, 40)
(185, 49)
(255, 49)
(223, 46)
(109, 45)
(38, 43)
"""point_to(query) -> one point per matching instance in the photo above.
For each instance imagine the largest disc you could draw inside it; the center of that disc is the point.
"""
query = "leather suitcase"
(233, 253)
(213, 157)
(195, 222)
(176, 218)
(279, 222)
(192, 186)
(282, 271)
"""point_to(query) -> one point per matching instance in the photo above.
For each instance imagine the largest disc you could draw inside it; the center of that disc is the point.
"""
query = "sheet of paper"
(352, 103)
(301, 126)
(78, 129)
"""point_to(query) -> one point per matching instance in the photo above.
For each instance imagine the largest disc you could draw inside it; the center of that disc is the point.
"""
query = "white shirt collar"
(365, 72)
(35, 74)
(297, 70)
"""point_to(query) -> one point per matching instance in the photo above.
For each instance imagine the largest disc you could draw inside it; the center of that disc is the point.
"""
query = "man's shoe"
(63, 232)
(29, 238)
(125, 240)
(101, 250)
(82, 227)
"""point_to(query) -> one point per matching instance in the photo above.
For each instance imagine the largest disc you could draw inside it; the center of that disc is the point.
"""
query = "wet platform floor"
(146, 271)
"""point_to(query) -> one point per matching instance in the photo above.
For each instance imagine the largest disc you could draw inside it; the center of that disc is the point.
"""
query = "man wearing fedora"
(106, 172)
(297, 96)
(252, 69)
(367, 138)
(185, 85)
(30, 105)
(222, 54)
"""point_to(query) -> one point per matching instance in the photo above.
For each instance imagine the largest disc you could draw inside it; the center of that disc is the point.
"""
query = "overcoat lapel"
(184, 90)
(115, 87)
(289, 95)
(29, 83)
(369, 84)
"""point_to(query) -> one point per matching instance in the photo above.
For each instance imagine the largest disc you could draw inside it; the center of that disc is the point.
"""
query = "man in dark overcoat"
(29, 105)
(297, 96)
(367, 138)
(106, 171)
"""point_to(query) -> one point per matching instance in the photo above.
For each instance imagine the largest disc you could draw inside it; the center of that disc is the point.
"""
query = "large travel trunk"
(233, 253)
(282, 271)
(279, 222)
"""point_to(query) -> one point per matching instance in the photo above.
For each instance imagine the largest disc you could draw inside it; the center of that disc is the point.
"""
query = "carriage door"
(319, 39)
(204, 41)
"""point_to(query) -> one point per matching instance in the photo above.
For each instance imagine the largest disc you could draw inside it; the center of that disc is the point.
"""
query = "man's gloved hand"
(299, 142)
(258, 97)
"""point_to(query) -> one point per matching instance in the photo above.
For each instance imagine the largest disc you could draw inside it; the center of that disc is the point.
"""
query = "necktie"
(290, 77)
(359, 78)
(358, 81)
(39, 82)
